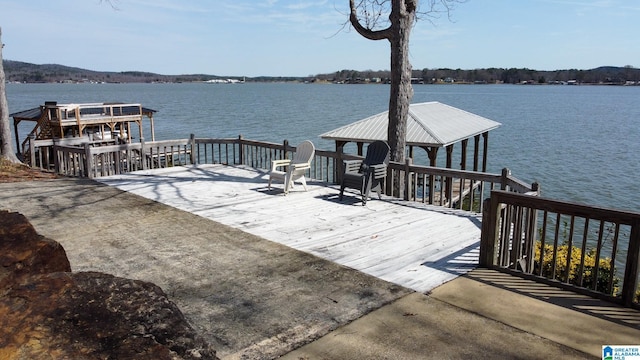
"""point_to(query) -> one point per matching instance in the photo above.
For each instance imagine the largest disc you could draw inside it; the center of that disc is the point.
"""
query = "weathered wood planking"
(407, 243)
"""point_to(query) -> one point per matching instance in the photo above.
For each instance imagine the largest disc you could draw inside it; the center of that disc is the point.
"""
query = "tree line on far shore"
(22, 72)
(626, 75)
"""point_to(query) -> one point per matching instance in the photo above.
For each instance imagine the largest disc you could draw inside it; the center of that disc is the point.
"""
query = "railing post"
(56, 159)
(532, 231)
(407, 179)
(117, 162)
(488, 236)
(505, 176)
(32, 150)
(285, 146)
(240, 150)
(192, 141)
(535, 187)
(87, 161)
(631, 270)
(143, 154)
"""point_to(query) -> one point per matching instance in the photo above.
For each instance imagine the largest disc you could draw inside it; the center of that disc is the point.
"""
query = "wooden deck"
(410, 244)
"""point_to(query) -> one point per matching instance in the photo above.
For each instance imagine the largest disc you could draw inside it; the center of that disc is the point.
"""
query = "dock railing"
(586, 249)
(77, 158)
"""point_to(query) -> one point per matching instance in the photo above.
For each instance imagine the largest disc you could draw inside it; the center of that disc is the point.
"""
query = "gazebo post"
(153, 130)
(360, 146)
(449, 156)
(463, 154)
(448, 187)
(485, 135)
(338, 168)
(432, 152)
(476, 149)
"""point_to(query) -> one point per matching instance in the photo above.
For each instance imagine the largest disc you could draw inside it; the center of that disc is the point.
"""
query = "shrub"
(605, 268)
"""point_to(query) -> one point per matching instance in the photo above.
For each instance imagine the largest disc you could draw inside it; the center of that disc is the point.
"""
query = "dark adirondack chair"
(367, 175)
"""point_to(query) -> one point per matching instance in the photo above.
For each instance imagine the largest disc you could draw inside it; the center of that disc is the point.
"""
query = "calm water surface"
(579, 142)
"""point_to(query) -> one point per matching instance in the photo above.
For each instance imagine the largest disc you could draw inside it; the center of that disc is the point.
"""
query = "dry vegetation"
(10, 172)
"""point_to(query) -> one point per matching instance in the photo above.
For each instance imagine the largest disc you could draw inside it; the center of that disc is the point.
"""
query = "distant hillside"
(17, 71)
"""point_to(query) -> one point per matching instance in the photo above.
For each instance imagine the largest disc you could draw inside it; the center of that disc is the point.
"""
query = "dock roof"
(431, 124)
(35, 113)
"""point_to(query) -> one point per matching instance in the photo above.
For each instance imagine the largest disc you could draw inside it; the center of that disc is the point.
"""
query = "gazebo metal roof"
(430, 124)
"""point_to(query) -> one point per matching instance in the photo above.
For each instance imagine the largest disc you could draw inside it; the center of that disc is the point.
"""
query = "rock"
(47, 312)
(91, 315)
(24, 252)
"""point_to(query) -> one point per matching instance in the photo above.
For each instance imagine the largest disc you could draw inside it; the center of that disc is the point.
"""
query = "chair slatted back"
(304, 153)
(377, 153)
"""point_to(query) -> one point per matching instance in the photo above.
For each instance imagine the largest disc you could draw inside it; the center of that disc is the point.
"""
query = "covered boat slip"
(92, 122)
(408, 243)
(93, 119)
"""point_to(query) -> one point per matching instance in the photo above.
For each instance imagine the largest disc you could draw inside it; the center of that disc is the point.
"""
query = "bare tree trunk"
(402, 17)
(6, 150)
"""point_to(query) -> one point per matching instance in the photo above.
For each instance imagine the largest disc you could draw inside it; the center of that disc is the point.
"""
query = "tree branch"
(436, 7)
(366, 32)
(112, 3)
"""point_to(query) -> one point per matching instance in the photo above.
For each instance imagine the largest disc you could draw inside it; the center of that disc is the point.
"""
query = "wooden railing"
(587, 249)
(460, 189)
(259, 154)
(95, 160)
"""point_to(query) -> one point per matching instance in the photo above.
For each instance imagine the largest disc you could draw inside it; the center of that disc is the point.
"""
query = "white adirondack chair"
(290, 170)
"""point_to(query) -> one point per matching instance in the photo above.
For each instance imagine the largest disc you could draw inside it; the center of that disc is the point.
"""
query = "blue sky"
(305, 37)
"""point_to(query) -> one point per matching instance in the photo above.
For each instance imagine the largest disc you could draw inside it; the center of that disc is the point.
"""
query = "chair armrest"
(301, 166)
(278, 163)
(379, 170)
(352, 166)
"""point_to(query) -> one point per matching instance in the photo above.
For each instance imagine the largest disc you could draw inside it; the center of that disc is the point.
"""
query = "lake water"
(579, 142)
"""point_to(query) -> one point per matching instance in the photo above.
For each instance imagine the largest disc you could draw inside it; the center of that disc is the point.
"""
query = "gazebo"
(430, 126)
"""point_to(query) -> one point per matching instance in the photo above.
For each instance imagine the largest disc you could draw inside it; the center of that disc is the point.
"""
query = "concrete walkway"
(482, 315)
(255, 299)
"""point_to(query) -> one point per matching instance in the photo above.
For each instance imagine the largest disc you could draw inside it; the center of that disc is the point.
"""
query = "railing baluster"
(583, 251)
(555, 246)
(614, 252)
